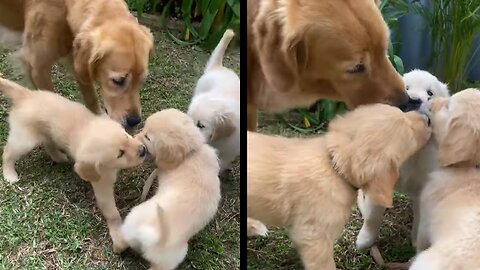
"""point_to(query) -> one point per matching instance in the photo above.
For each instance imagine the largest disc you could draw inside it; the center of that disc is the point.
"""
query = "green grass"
(277, 252)
(49, 219)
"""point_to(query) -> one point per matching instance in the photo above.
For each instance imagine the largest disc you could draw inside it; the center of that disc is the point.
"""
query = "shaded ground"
(277, 252)
(49, 219)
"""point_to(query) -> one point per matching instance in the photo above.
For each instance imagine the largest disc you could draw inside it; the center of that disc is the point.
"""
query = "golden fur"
(301, 51)
(99, 146)
(188, 194)
(291, 182)
(105, 42)
(448, 236)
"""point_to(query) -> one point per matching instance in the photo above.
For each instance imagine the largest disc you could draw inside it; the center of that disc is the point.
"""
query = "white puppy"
(215, 106)
(421, 86)
(188, 191)
(448, 232)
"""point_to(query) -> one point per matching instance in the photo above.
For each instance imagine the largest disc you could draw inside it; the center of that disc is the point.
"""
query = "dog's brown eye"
(357, 69)
(200, 125)
(146, 137)
(407, 88)
(430, 93)
(121, 153)
(120, 81)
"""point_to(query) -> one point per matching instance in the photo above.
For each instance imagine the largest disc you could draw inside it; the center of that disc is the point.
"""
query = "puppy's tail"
(216, 58)
(164, 230)
(13, 91)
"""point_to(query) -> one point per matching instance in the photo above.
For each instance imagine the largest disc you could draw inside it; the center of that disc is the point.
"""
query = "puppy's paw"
(59, 158)
(119, 246)
(256, 228)
(365, 239)
(11, 177)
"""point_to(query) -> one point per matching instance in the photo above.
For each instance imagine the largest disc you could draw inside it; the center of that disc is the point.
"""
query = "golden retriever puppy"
(301, 51)
(106, 43)
(448, 236)
(215, 106)
(188, 190)
(309, 185)
(421, 86)
(99, 146)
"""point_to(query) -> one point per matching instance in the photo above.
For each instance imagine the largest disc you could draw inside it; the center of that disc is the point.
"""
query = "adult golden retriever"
(301, 51)
(106, 42)
(309, 185)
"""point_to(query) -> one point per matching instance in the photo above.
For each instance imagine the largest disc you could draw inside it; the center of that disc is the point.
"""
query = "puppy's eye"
(120, 81)
(430, 93)
(408, 88)
(121, 153)
(357, 69)
(200, 125)
(146, 137)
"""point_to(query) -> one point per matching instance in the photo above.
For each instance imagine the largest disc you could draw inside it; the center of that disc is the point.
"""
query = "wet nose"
(411, 105)
(142, 151)
(133, 120)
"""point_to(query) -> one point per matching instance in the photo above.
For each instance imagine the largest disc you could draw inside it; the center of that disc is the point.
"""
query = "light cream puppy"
(215, 106)
(188, 190)
(99, 146)
(448, 235)
(421, 86)
(309, 185)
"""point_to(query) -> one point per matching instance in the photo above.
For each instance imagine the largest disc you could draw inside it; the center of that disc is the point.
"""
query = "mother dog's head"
(329, 49)
(369, 144)
(115, 54)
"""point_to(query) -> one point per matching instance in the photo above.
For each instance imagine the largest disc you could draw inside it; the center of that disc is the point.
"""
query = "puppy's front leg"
(148, 184)
(372, 220)
(104, 195)
(315, 247)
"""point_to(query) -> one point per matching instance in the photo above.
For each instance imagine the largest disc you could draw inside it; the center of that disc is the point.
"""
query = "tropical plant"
(316, 118)
(453, 26)
(204, 21)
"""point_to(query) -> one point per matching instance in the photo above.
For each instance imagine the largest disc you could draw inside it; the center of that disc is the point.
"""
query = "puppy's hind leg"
(372, 220)
(55, 154)
(315, 248)
(20, 141)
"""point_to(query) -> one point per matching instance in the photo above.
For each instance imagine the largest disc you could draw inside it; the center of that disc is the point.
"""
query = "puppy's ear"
(223, 128)
(380, 188)
(461, 144)
(172, 148)
(87, 172)
(86, 56)
(281, 67)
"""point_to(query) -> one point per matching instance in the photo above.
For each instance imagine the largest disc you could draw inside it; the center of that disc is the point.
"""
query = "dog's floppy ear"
(172, 148)
(461, 144)
(223, 127)
(86, 56)
(149, 34)
(281, 66)
(86, 171)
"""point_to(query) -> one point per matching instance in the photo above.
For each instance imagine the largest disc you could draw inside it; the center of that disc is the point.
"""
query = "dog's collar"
(340, 174)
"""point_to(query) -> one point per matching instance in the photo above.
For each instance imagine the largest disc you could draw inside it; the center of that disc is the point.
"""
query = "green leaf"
(398, 64)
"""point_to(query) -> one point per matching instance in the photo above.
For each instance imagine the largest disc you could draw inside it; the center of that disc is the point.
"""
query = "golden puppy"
(301, 51)
(448, 234)
(99, 146)
(309, 185)
(188, 190)
(107, 44)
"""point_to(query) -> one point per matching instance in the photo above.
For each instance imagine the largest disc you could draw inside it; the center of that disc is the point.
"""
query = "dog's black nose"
(142, 151)
(133, 120)
(411, 105)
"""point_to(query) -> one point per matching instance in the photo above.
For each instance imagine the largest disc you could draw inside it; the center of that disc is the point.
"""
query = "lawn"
(277, 252)
(49, 219)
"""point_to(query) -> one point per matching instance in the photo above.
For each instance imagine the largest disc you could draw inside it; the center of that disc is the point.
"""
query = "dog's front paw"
(119, 246)
(59, 158)
(365, 239)
(256, 228)
(11, 177)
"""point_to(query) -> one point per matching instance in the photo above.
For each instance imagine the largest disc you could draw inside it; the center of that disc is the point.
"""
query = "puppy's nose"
(133, 120)
(142, 151)
(411, 105)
